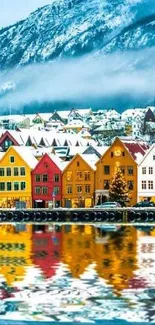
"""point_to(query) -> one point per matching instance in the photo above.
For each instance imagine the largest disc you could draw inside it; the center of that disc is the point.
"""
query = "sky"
(12, 11)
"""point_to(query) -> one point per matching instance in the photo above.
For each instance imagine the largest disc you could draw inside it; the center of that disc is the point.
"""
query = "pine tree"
(118, 189)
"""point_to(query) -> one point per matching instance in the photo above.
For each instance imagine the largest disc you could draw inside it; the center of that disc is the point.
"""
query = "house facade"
(146, 176)
(116, 156)
(15, 177)
(47, 182)
(78, 180)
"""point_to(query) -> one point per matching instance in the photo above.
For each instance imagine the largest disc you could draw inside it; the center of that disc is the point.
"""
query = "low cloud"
(81, 79)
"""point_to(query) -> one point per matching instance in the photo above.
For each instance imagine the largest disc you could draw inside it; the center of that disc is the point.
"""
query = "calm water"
(77, 273)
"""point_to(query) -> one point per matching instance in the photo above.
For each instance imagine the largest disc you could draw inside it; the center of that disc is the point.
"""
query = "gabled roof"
(147, 153)
(26, 153)
(136, 150)
(12, 136)
(90, 161)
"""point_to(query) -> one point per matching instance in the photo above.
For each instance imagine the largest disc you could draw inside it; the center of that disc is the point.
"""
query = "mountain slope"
(66, 28)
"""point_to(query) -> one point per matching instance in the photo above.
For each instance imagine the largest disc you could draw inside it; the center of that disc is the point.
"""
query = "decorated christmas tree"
(118, 191)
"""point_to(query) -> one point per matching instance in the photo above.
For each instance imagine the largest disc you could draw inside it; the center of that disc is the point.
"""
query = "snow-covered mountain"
(76, 27)
(73, 28)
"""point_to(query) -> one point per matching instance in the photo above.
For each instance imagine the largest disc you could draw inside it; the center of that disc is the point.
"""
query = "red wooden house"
(46, 249)
(47, 182)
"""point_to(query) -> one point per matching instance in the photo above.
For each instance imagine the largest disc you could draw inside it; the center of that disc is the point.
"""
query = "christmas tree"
(118, 189)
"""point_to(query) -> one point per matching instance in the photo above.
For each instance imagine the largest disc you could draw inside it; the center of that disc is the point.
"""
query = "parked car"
(144, 204)
(107, 205)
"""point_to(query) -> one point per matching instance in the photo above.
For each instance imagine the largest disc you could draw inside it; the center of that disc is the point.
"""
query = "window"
(106, 184)
(69, 189)
(7, 143)
(56, 189)
(9, 186)
(106, 170)
(130, 185)
(112, 154)
(69, 175)
(79, 188)
(8, 171)
(130, 170)
(38, 177)
(150, 185)
(45, 190)
(78, 164)
(1, 171)
(45, 178)
(79, 176)
(150, 170)
(87, 188)
(87, 176)
(12, 159)
(16, 171)
(22, 171)
(16, 186)
(2, 186)
(143, 185)
(122, 169)
(153, 157)
(22, 186)
(38, 190)
(56, 178)
(123, 153)
(143, 170)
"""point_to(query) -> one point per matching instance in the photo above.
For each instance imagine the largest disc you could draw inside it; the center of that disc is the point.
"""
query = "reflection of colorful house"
(78, 248)
(116, 258)
(46, 249)
(15, 252)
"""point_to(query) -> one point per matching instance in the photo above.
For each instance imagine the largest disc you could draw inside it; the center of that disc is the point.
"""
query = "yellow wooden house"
(116, 156)
(15, 177)
(78, 180)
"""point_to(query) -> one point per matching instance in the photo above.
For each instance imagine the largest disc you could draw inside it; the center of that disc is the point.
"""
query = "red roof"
(135, 148)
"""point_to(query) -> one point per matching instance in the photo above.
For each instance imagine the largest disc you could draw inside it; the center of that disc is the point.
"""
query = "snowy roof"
(101, 150)
(76, 149)
(146, 153)
(91, 159)
(26, 153)
(58, 162)
(137, 150)
(16, 118)
(77, 123)
(133, 112)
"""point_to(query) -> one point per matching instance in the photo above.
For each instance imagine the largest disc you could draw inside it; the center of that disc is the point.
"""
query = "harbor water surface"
(77, 273)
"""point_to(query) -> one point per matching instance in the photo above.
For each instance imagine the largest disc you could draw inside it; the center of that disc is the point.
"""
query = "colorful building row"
(81, 182)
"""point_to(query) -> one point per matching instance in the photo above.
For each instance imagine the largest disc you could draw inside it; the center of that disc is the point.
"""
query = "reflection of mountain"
(78, 248)
(15, 252)
(46, 249)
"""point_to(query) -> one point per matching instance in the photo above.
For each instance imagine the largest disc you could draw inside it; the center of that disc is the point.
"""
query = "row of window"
(16, 171)
(144, 170)
(45, 190)
(106, 185)
(106, 170)
(147, 184)
(129, 170)
(45, 178)
(79, 175)
(12, 186)
(79, 189)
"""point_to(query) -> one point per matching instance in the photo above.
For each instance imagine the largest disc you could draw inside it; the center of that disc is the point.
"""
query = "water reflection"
(77, 273)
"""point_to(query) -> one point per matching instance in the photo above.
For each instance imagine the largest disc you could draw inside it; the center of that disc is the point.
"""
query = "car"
(144, 204)
(107, 205)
